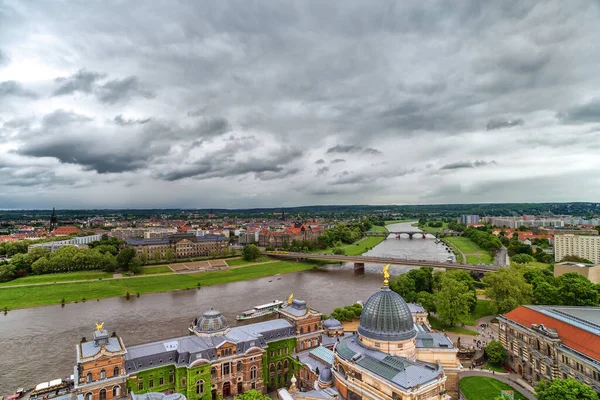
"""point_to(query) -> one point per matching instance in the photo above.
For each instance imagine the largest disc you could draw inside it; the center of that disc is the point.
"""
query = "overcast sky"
(277, 103)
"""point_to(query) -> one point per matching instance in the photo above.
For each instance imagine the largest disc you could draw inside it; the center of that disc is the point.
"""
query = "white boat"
(262, 310)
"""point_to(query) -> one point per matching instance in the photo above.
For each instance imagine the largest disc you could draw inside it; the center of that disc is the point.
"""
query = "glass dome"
(386, 316)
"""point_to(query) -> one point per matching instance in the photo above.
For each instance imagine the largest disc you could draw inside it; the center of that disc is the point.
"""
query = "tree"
(157, 256)
(404, 285)
(495, 353)
(576, 290)
(135, 265)
(251, 252)
(7, 272)
(452, 301)
(576, 259)
(507, 289)
(170, 255)
(427, 300)
(252, 395)
(144, 258)
(564, 389)
(522, 258)
(125, 257)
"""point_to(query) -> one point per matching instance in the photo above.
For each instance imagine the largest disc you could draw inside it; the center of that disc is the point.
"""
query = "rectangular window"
(161, 381)
(377, 345)
(151, 383)
(171, 379)
(140, 385)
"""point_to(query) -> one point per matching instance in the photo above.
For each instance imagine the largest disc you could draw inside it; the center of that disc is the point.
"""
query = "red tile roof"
(66, 230)
(572, 336)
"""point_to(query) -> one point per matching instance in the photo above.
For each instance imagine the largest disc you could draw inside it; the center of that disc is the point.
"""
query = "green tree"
(125, 257)
(495, 353)
(507, 289)
(7, 272)
(252, 395)
(564, 389)
(144, 258)
(522, 258)
(427, 300)
(157, 256)
(452, 301)
(576, 259)
(170, 255)
(405, 286)
(251, 252)
(135, 265)
(576, 290)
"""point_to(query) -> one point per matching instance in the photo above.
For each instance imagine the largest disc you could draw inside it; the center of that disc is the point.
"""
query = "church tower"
(53, 219)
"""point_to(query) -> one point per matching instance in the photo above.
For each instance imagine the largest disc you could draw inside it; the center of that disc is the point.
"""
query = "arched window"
(272, 369)
(341, 370)
(301, 330)
(285, 364)
(316, 327)
(213, 372)
(88, 396)
(102, 394)
(103, 374)
(200, 387)
(301, 345)
(88, 378)
(279, 366)
(253, 372)
(308, 327)
(116, 391)
(549, 351)
(238, 368)
(116, 371)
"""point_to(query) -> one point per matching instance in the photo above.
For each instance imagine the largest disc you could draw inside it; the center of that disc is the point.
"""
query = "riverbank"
(41, 295)
(359, 247)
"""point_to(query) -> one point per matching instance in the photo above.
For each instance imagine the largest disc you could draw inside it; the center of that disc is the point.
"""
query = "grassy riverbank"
(62, 277)
(471, 250)
(31, 296)
(398, 221)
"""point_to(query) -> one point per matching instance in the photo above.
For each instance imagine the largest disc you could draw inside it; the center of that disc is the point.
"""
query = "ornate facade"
(183, 245)
(307, 324)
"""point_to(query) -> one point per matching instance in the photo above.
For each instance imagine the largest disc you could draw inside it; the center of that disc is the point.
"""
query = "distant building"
(53, 220)
(128, 233)
(469, 219)
(587, 247)
(76, 241)
(549, 342)
(184, 245)
(66, 230)
(590, 271)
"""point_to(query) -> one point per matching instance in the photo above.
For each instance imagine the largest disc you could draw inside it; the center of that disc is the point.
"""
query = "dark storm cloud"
(13, 88)
(322, 171)
(119, 120)
(498, 123)
(467, 164)
(122, 89)
(344, 149)
(320, 161)
(581, 113)
(338, 160)
(82, 81)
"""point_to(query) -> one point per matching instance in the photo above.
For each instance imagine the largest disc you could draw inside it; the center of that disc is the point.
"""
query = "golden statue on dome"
(290, 298)
(386, 275)
(99, 327)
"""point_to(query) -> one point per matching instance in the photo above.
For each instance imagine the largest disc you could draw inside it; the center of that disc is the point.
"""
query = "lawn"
(482, 309)
(55, 293)
(470, 249)
(459, 257)
(237, 262)
(398, 221)
(493, 367)
(436, 324)
(157, 270)
(484, 388)
(532, 264)
(432, 230)
(62, 277)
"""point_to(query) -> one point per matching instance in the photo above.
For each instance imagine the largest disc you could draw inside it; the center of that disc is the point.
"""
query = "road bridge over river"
(360, 261)
(411, 234)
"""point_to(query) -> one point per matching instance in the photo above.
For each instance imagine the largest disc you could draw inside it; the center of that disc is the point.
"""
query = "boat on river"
(262, 310)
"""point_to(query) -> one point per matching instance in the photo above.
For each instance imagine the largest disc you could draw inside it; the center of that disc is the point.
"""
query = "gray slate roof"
(89, 349)
(433, 340)
(399, 371)
(186, 350)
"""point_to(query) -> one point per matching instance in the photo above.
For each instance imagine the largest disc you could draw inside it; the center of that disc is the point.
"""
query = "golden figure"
(386, 275)
(291, 298)
(99, 326)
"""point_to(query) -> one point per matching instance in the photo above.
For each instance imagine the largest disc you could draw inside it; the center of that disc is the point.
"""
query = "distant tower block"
(53, 219)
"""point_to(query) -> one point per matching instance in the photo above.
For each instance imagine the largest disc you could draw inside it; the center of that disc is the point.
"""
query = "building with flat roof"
(183, 245)
(81, 241)
(590, 271)
(587, 247)
(548, 342)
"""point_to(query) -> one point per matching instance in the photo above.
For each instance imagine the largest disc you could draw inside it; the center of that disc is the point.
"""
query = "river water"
(38, 344)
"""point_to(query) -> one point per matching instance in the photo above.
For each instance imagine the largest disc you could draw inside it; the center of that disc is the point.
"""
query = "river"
(38, 344)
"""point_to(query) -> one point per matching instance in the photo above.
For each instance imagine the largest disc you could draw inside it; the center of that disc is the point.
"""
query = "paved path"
(511, 379)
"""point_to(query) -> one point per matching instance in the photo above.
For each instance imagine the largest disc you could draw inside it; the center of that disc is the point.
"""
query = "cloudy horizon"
(237, 104)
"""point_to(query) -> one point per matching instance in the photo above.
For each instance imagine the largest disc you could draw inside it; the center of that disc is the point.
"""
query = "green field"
(432, 230)
(62, 277)
(398, 221)
(21, 297)
(470, 249)
(482, 309)
(483, 388)
(436, 324)
(163, 269)
(531, 264)
(237, 262)
(492, 367)
(362, 246)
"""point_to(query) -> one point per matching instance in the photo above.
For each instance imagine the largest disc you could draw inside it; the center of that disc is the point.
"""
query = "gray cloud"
(581, 113)
(4, 59)
(345, 149)
(322, 171)
(468, 164)
(12, 88)
(119, 120)
(498, 123)
(338, 160)
(320, 161)
(122, 89)
(82, 81)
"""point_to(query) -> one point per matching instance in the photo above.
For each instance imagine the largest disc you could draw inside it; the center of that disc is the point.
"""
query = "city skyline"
(237, 105)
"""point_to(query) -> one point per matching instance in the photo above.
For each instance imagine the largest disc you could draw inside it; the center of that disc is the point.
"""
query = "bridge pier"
(359, 267)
